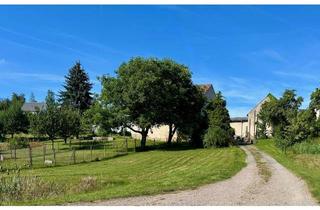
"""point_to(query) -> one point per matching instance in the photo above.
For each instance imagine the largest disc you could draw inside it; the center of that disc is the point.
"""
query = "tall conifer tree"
(77, 89)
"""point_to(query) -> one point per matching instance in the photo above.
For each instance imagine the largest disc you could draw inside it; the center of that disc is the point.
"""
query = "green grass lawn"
(143, 173)
(307, 166)
(64, 152)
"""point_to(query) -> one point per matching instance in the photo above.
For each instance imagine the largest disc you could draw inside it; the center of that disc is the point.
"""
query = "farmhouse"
(33, 107)
(246, 127)
(161, 132)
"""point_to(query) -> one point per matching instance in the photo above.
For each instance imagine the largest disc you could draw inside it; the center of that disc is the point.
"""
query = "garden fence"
(58, 153)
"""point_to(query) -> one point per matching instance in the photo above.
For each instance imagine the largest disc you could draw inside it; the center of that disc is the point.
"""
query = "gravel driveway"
(262, 182)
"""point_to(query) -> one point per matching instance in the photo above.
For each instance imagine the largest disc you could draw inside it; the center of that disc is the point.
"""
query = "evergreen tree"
(77, 89)
(219, 133)
(32, 98)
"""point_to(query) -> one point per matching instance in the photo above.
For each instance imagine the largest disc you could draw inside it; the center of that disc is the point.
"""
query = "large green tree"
(181, 101)
(282, 115)
(77, 89)
(133, 95)
(69, 122)
(50, 117)
(219, 133)
(13, 118)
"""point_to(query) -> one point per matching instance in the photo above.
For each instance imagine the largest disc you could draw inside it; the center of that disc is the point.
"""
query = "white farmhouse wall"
(240, 128)
(159, 133)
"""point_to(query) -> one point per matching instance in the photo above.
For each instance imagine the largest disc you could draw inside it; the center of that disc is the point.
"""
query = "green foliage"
(219, 132)
(50, 117)
(315, 100)
(12, 118)
(216, 137)
(36, 124)
(97, 118)
(177, 96)
(69, 122)
(149, 92)
(18, 142)
(283, 116)
(301, 127)
(77, 89)
(264, 117)
(306, 147)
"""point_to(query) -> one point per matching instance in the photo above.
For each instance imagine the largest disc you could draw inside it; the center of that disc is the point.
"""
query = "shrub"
(18, 142)
(216, 137)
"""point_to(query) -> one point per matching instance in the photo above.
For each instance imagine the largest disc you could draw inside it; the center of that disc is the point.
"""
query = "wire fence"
(59, 153)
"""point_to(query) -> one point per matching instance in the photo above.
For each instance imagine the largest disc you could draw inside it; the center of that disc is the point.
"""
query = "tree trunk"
(172, 131)
(143, 139)
(12, 135)
(52, 142)
(65, 140)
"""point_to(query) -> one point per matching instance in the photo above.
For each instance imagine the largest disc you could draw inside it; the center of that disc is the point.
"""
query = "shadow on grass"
(167, 147)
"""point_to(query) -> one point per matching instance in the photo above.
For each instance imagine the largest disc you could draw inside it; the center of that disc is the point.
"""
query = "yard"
(78, 151)
(141, 173)
(307, 166)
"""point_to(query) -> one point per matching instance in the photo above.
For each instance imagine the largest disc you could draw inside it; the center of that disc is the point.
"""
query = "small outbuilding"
(240, 126)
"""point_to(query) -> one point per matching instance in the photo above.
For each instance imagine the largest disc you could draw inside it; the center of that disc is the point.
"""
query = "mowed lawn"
(144, 173)
(306, 166)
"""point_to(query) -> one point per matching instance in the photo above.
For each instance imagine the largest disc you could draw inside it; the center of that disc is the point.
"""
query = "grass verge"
(306, 166)
(142, 173)
(264, 170)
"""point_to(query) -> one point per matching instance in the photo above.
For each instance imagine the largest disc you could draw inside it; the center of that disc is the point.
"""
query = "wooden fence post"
(54, 156)
(104, 145)
(74, 155)
(135, 144)
(15, 152)
(154, 142)
(126, 145)
(44, 153)
(30, 156)
(91, 152)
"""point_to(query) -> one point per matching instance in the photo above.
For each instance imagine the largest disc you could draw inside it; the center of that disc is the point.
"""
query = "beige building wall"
(240, 128)
(253, 119)
(158, 133)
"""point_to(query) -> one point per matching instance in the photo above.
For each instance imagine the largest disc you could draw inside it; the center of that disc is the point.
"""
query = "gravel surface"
(245, 188)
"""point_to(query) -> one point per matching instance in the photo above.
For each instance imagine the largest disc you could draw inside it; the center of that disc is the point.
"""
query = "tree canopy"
(13, 119)
(219, 133)
(77, 89)
(150, 92)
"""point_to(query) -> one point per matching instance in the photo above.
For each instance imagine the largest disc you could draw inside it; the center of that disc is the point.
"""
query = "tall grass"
(306, 147)
(17, 188)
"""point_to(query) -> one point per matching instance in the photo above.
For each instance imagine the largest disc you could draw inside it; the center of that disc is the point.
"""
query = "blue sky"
(244, 51)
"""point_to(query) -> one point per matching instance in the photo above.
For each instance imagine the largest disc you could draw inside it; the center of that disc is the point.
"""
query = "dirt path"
(262, 182)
